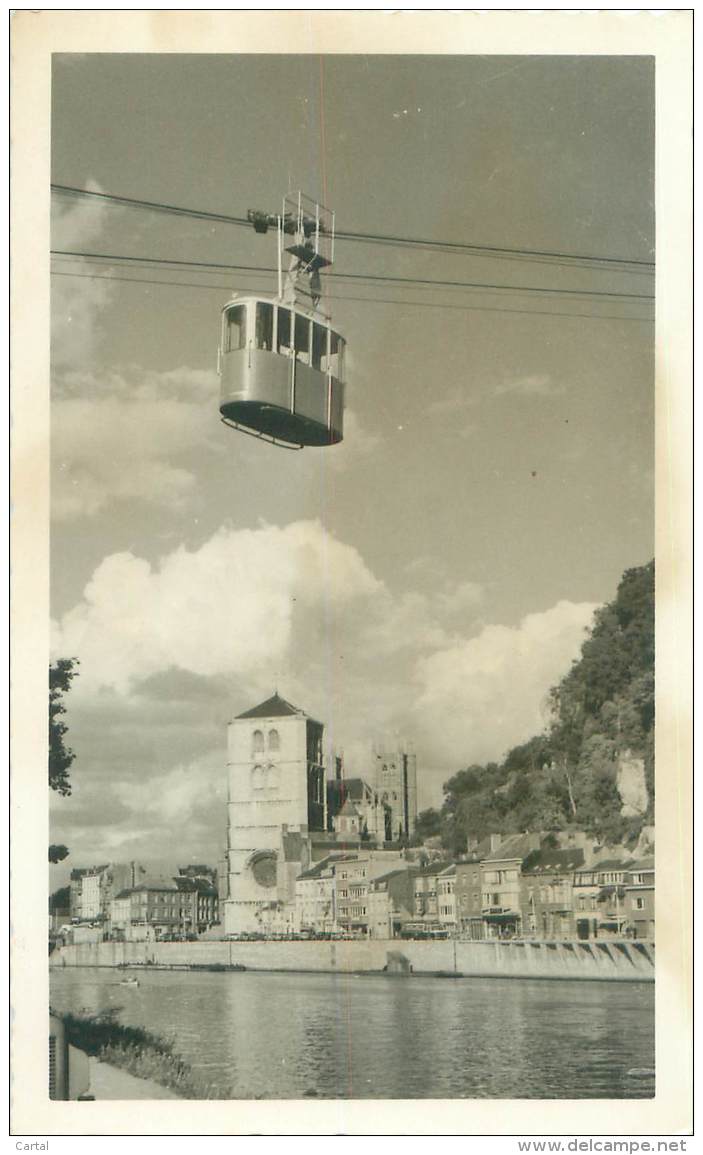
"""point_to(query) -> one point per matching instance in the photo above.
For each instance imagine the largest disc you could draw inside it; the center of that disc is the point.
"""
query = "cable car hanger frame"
(279, 361)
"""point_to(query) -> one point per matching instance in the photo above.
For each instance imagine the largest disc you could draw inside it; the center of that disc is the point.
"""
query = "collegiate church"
(285, 814)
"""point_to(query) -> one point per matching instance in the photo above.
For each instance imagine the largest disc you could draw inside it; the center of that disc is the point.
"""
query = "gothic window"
(257, 742)
(258, 778)
(274, 740)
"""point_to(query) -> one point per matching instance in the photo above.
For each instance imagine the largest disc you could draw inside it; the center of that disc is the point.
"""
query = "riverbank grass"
(137, 1051)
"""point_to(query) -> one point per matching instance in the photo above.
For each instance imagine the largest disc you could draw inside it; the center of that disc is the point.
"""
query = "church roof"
(349, 809)
(274, 707)
(354, 788)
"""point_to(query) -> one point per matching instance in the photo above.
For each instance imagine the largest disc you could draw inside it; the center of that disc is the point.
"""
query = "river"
(285, 1036)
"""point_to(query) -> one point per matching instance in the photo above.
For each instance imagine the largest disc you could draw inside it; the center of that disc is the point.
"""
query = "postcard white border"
(35, 35)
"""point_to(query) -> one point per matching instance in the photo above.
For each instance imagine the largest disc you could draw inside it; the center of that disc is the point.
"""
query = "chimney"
(495, 841)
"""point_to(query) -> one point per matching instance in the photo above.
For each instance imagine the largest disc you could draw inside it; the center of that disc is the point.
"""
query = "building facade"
(276, 780)
(154, 909)
(501, 887)
(427, 892)
(548, 893)
(92, 888)
(315, 896)
(639, 898)
(390, 902)
(394, 778)
(352, 879)
(446, 897)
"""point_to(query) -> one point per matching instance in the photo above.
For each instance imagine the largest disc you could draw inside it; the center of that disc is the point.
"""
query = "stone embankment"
(621, 961)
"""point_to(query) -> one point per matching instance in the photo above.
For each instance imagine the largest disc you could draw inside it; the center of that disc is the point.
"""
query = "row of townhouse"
(512, 886)
(339, 894)
(118, 901)
(92, 889)
(518, 886)
(157, 908)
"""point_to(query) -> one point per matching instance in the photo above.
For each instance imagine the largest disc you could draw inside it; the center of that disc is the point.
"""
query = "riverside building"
(284, 816)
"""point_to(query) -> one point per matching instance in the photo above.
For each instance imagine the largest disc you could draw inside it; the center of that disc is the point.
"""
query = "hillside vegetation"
(593, 767)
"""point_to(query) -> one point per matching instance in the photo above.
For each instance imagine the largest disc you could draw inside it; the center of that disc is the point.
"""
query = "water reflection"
(348, 1036)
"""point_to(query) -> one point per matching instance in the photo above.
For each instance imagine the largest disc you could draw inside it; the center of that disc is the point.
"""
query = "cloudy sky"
(432, 576)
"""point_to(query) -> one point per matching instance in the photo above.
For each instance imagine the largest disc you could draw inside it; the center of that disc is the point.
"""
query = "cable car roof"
(308, 311)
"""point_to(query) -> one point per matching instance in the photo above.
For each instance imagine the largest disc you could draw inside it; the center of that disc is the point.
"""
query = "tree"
(57, 853)
(428, 824)
(60, 899)
(61, 756)
(602, 709)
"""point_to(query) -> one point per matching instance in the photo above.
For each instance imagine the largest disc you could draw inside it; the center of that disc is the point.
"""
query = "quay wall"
(621, 961)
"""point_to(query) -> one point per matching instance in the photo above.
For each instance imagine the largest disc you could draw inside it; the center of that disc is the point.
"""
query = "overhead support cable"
(364, 300)
(370, 238)
(421, 282)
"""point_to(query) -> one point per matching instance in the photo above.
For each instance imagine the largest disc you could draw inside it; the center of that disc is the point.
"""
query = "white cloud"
(357, 443)
(456, 402)
(169, 651)
(534, 385)
(174, 798)
(120, 437)
(481, 696)
(137, 818)
(228, 606)
(462, 598)
(77, 225)
(404, 624)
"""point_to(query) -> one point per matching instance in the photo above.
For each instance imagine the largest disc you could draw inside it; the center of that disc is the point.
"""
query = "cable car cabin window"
(283, 340)
(340, 359)
(264, 325)
(302, 339)
(319, 345)
(334, 364)
(236, 331)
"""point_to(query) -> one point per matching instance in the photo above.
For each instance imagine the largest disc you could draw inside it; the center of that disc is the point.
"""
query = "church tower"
(395, 781)
(276, 779)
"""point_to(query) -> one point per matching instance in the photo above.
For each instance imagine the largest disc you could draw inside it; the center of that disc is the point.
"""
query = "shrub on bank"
(137, 1051)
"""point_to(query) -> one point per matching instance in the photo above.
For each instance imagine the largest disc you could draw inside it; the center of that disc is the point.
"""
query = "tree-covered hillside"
(593, 768)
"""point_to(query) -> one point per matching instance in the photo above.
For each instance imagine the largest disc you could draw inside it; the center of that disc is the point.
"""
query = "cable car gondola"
(280, 361)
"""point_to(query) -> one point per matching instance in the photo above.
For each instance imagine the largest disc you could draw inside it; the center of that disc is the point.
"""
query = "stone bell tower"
(276, 779)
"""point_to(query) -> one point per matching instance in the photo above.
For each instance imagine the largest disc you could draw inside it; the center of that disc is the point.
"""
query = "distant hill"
(593, 767)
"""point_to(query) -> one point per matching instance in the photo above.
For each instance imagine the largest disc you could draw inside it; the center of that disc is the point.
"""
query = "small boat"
(128, 983)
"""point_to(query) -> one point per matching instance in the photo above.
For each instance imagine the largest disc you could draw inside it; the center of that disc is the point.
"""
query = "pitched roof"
(349, 809)
(324, 864)
(156, 884)
(479, 851)
(545, 861)
(515, 846)
(433, 868)
(409, 871)
(642, 864)
(353, 788)
(274, 707)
